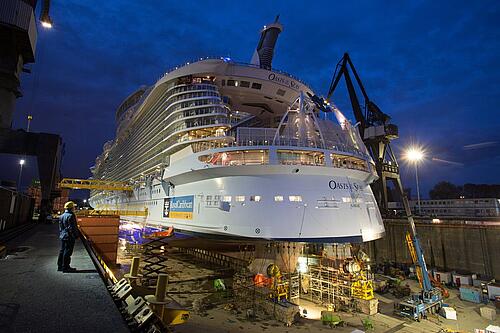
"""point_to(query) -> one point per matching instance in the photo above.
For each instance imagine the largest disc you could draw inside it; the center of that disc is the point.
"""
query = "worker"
(68, 233)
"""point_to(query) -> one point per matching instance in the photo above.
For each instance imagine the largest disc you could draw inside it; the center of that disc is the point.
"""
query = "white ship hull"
(337, 205)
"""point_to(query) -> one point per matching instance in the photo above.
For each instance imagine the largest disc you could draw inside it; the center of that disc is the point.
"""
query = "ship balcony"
(231, 156)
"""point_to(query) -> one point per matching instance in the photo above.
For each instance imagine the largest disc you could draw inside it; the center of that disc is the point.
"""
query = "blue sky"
(434, 66)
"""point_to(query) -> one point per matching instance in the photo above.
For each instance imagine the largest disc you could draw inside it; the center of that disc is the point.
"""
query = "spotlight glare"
(414, 154)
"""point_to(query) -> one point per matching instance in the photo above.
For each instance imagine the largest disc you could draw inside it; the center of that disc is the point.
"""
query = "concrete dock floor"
(190, 283)
(35, 297)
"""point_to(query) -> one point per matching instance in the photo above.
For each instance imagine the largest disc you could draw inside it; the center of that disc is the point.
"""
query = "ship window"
(223, 82)
(256, 85)
(299, 157)
(227, 198)
(255, 198)
(232, 83)
(245, 84)
(295, 198)
(344, 199)
(280, 92)
(239, 198)
(278, 198)
(234, 158)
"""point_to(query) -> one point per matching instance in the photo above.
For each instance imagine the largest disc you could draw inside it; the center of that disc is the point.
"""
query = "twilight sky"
(434, 66)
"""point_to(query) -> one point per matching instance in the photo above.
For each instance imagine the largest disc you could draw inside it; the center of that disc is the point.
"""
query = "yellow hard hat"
(69, 205)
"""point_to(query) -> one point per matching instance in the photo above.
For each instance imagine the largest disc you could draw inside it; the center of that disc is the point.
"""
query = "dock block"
(102, 232)
(369, 307)
(488, 312)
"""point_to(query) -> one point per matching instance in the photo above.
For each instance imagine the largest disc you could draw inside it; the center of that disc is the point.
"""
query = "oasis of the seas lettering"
(283, 80)
(343, 186)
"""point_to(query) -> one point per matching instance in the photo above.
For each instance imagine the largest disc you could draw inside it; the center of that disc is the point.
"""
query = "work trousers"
(65, 253)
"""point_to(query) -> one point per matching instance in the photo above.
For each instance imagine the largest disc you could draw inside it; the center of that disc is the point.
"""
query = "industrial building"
(477, 207)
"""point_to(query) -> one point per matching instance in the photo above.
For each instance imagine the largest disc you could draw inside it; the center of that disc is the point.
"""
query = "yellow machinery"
(362, 289)
(102, 185)
(94, 184)
(413, 254)
(92, 212)
(279, 287)
(357, 270)
(174, 315)
(418, 269)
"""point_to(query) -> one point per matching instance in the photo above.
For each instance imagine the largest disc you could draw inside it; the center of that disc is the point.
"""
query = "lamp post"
(21, 163)
(415, 155)
(45, 19)
(30, 118)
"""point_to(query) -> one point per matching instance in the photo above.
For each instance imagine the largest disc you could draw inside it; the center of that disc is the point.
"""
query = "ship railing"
(229, 60)
(339, 147)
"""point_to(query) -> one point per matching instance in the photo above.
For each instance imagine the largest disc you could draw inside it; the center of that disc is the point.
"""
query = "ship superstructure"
(225, 149)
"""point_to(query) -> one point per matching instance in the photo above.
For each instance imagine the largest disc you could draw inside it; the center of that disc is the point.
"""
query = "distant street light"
(45, 19)
(47, 24)
(21, 163)
(30, 117)
(415, 155)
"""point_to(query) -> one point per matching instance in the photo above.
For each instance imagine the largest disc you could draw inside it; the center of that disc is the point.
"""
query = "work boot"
(69, 270)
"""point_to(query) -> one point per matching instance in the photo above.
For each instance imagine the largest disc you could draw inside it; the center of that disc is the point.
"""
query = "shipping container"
(443, 277)
(462, 279)
(471, 294)
(478, 280)
(493, 290)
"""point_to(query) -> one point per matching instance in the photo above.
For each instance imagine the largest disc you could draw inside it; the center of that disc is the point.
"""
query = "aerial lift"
(377, 133)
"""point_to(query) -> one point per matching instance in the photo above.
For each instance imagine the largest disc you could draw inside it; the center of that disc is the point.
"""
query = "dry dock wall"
(450, 245)
(15, 209)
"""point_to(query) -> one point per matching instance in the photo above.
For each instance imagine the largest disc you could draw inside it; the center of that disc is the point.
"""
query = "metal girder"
(94, 184)
(97, 212)
(48, 150)
(374, 129)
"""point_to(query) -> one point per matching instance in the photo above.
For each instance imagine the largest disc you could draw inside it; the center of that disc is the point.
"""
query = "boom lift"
(377, 133)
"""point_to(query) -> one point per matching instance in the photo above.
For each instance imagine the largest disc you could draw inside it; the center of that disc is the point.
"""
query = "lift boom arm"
(377, 134)
(415, 249)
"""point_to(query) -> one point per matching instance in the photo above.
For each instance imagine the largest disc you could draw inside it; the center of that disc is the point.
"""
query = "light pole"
(29, 123)
(21, 163)
(415, 155)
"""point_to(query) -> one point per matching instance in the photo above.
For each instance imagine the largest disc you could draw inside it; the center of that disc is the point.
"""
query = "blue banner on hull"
(179, 207)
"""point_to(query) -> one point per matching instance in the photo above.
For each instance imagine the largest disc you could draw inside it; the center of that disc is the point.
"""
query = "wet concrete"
(35, 297)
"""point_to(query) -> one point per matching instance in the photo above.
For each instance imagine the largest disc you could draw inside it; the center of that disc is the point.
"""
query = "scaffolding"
(293, 287)
(332, 287)
(322, 284)
(155, 259)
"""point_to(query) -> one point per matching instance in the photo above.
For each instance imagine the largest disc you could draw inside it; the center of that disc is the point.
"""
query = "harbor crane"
(377, 132)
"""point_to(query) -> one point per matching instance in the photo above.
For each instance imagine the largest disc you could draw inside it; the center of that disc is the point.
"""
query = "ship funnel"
(263, 55)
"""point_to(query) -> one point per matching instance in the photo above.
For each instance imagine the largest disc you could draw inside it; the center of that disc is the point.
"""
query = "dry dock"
(470, 245)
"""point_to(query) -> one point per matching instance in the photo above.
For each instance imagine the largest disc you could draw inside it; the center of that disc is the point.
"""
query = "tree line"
(447, 190)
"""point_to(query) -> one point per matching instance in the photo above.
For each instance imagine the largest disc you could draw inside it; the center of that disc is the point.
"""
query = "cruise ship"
(222, 149)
